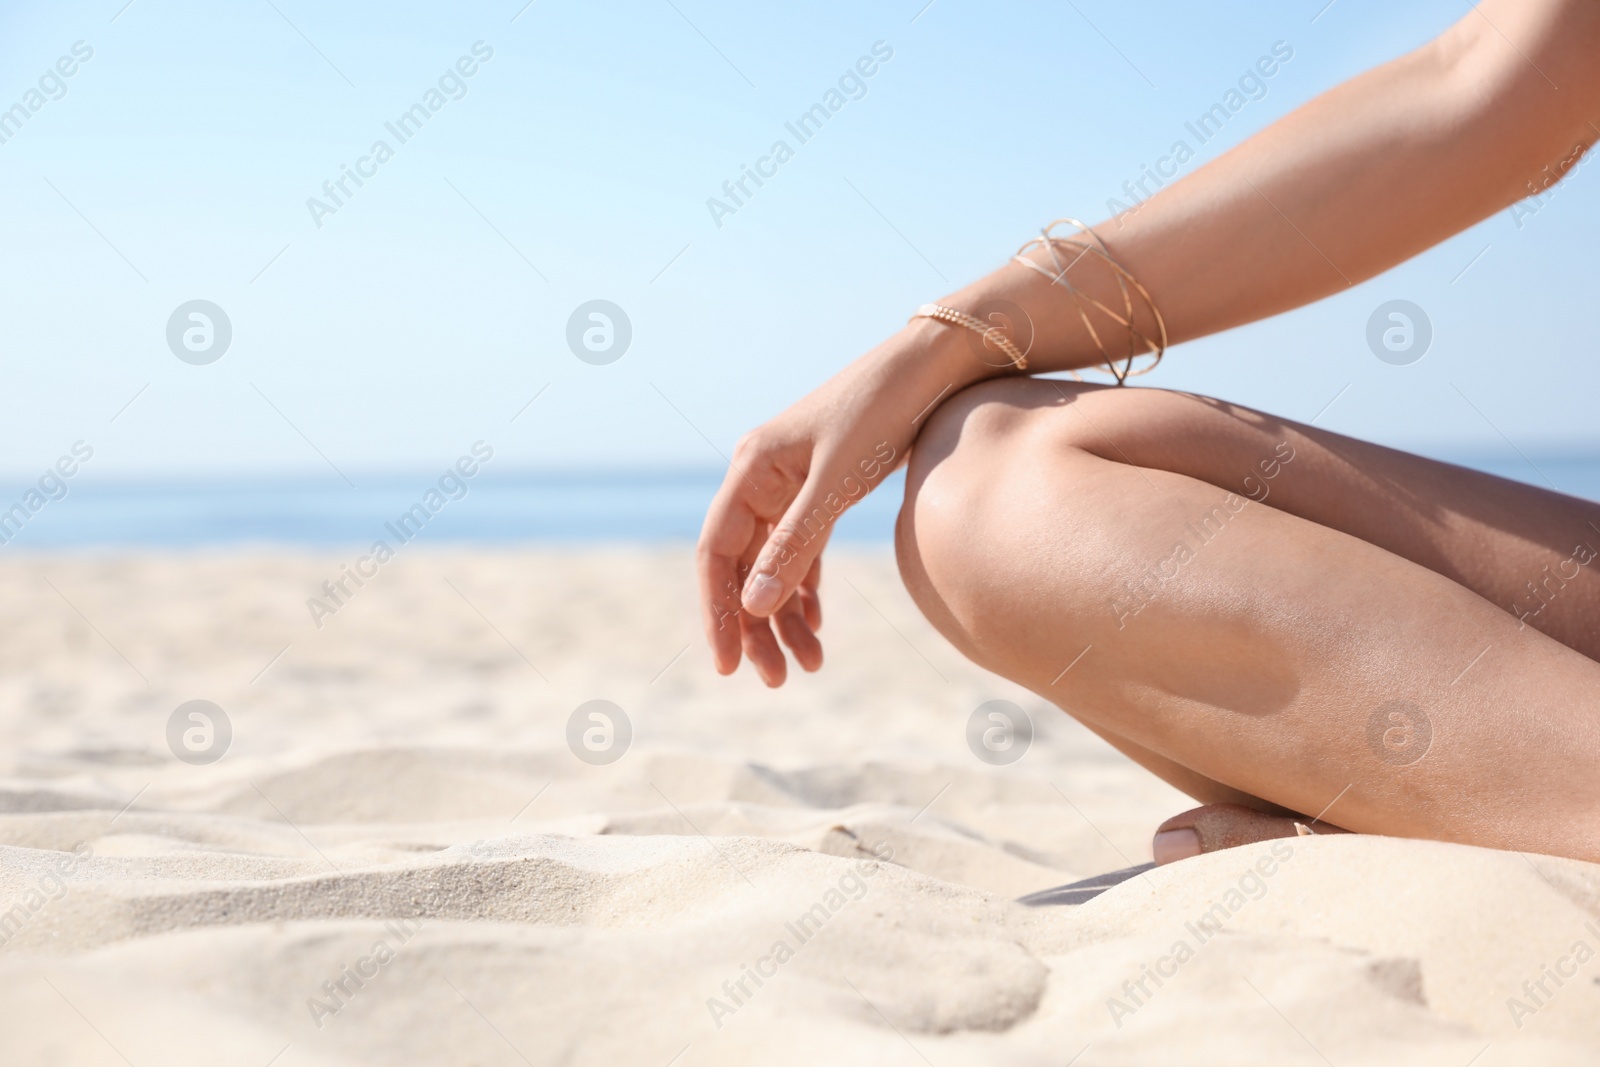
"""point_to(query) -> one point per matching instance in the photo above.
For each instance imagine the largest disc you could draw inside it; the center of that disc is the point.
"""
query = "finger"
(809, 596)
(730, 528)
(762, 649)
(791, 623)
(792, 547)
(757, 640)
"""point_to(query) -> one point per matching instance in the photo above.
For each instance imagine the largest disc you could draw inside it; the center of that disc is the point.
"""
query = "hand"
(759, 554)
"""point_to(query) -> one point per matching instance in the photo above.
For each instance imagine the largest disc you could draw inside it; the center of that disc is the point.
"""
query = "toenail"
(1171, 845)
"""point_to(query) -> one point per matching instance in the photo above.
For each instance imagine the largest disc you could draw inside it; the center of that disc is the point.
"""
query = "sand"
(399, 859)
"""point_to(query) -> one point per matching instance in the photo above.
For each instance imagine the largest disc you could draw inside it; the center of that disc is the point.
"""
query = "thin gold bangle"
(1138, 343)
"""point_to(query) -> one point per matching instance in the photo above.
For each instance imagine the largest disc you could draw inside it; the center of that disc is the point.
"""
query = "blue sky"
(577, 164)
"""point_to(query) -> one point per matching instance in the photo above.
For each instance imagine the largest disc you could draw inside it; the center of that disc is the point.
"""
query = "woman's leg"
(1404, 640)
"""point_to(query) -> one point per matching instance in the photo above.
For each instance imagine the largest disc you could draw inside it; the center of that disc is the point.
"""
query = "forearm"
(1362, 178)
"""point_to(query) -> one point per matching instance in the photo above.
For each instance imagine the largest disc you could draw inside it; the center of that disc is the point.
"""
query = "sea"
(569, 508)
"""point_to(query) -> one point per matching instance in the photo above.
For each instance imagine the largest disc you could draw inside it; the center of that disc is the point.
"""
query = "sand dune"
(399, 859)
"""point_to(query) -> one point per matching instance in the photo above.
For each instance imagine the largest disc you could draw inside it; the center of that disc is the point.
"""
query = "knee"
(981, 428)
(968, 467)
(969, 447)
(999, 473)
(971, 431)
(973, 443)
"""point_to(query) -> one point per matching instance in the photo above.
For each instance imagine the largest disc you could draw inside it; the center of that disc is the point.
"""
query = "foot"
(1218, 826)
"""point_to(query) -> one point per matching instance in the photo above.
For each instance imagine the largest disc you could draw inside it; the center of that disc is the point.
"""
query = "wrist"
(1055, 330)
(927, 360)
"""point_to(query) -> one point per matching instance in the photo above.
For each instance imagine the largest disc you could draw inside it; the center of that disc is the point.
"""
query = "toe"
(1176, 844)
(1219, 826)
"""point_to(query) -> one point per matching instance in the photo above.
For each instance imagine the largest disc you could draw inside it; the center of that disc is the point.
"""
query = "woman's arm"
(1358, 180)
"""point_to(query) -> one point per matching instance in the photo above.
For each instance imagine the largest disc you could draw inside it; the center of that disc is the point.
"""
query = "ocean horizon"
(497, 507)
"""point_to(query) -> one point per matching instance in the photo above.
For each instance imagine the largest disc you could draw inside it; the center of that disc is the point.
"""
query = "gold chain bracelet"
(989, 333)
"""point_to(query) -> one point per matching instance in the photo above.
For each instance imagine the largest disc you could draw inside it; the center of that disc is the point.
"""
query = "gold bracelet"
(1138, 343)
(989, 333)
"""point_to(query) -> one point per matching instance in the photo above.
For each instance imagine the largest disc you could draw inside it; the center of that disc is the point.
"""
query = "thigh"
(1335, 637)
(1533, 552)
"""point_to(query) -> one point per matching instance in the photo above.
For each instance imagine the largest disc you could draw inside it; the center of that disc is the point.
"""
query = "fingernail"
(761, 593)
(1172, 845)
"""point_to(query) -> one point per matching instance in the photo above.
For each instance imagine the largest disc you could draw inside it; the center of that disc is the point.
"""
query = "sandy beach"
(398, 857)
